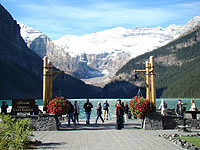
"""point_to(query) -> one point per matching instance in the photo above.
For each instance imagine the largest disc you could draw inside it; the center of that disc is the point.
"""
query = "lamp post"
(45, 84)
(148, 88)
(48, 81)
(150, 80)
(153, 92)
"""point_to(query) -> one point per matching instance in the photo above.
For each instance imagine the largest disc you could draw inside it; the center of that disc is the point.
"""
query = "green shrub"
(14, 133)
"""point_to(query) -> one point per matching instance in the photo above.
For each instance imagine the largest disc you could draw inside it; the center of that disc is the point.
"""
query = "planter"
(58, 106)
(139, 107)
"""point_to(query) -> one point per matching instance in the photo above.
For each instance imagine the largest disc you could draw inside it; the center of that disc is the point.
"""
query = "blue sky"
(60, 17)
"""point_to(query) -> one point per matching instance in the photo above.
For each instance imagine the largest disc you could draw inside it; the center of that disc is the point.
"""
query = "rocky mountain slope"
(176, 67)
(43, 46)
(96, 57)
(21, 67)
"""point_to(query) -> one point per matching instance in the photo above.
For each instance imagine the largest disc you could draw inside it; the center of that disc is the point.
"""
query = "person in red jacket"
(119, 115)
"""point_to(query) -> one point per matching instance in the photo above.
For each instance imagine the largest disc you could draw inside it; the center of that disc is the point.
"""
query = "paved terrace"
(105, 137)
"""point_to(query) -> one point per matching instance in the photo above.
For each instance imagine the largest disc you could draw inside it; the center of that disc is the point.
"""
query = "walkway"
(104, 137)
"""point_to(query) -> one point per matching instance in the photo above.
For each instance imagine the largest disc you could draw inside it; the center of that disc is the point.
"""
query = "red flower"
(139, 106)
(58, 105)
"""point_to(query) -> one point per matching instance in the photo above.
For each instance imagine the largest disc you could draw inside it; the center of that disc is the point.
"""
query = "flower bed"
(58, 106)
(139, 106)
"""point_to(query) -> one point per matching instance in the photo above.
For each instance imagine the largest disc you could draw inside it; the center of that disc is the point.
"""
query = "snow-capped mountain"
(28, 33)
(103, 53)
(43, 46)
(133, 41)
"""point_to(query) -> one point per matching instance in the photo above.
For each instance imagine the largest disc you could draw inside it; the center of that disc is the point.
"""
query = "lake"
(170, 102)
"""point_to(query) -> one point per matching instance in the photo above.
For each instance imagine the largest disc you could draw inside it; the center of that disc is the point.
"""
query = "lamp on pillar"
(62, 77)
(48, 81)
(149, 76)
(136, 76)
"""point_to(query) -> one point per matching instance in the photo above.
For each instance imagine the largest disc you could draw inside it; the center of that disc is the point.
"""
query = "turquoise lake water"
(170, 102)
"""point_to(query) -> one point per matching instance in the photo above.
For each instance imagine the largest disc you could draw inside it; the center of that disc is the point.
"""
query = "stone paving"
(104, 136)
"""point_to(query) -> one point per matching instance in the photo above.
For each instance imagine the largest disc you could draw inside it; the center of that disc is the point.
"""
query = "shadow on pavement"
(50, 145)
(99, 126)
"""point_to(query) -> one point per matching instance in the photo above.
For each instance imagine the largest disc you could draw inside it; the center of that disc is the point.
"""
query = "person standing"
(123, 114)
(4, 107)
(76, 112)
(119, 115)
(193, 108)
(37, 110)
(99, 112)
(88, 106)
(70, 113)
(126, 110)
(179, 108)
(105, 108)
(163, 107)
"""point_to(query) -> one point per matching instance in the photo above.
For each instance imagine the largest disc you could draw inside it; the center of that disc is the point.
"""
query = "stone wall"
(155, 121)
(41, 122)
(194, 123)
(172, 121)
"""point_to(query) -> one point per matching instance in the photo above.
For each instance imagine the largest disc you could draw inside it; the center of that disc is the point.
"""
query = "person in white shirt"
(193, 108)
(163, 107)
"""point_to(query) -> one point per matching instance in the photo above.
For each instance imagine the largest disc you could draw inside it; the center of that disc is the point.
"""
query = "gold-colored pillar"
(153, 91)
(147, 81)
(45, 62)
(50, 81)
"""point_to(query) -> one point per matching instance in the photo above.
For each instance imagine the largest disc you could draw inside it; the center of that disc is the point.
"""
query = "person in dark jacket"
(119, 115)
(88, 106)
(4, 107)
(70, 114)
(106, 110)
(99, 112)
(123, 114)
(179, 108)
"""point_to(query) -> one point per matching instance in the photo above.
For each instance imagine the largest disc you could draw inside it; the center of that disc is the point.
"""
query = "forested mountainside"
(177, 69)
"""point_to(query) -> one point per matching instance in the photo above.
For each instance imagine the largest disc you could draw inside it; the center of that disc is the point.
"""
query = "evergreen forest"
(177, 67)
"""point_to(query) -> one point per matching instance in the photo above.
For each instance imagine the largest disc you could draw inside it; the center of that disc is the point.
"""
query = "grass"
(194, 140)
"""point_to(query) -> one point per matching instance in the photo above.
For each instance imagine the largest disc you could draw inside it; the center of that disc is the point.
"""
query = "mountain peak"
(192, 23)
(195, 19)
(28, 33)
